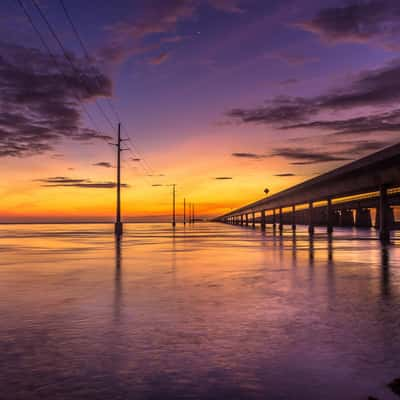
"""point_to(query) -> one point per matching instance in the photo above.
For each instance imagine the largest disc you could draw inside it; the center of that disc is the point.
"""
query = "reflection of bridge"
(347, 196)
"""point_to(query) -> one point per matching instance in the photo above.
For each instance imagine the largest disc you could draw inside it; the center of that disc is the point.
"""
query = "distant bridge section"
(346, 196)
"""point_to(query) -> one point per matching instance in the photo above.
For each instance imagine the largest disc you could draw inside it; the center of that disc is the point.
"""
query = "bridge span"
(361, 193)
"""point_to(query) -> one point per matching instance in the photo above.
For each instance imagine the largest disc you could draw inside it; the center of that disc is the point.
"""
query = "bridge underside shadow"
(360, 194)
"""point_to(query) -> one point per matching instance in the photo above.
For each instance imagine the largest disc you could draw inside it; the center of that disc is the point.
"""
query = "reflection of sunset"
(187, 303)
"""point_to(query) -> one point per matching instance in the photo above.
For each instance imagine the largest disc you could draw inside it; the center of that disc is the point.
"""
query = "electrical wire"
(87, 56)
(68, 58)
(55, 61)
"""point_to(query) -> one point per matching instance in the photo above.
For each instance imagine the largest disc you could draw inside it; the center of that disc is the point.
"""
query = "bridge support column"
(294, 218)
(274, 220)
(329, 217)
(346, 218)
(384, 214)
(263, 220)
(280, 220)
(363, 218)
(253, 219)
(311, 219)
(241, 220)
(247, 219)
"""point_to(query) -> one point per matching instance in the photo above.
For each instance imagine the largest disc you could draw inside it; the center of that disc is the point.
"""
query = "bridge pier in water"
(344, 197)
(329, 216)
(346, 218)
(363, 218)
(384, 215)
(311, 218)
(263, 220)
(293, 218)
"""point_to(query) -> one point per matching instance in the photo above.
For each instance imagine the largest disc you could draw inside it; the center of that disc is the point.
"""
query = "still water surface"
(210, 312)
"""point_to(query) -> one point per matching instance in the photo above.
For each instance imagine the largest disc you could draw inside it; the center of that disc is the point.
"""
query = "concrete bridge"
(361, 193)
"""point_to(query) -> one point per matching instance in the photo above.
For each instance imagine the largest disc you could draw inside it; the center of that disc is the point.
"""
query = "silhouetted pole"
(118, 223)
(173, 205)
(184, 211)
(329, 222)
(311, 218)
(193, 213)
(384, 229)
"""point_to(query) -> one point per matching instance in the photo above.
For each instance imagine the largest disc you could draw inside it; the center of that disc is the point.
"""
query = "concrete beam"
(361, 176)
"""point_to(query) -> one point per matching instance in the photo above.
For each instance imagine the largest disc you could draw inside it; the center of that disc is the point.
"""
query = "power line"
(150, 170)
(86, 53)
(54, 59)
(144, 164)
(67, 57)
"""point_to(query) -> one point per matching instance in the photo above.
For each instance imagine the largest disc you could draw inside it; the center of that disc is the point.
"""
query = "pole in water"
(184, 211)
(193, 213)
(118, 223)
(173, 205)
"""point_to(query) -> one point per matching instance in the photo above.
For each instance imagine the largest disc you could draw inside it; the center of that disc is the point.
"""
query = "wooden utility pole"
(184, 211)
(118, 223)
(173, 205)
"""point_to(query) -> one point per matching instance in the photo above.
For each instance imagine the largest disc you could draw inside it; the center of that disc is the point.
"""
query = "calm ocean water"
(209, 312)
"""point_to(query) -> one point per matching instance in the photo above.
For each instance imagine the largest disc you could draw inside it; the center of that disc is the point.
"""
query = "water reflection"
(118, 280)
(385, 271)
(253, 315)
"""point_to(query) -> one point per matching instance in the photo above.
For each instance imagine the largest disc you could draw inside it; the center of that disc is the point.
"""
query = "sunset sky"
(222, 97)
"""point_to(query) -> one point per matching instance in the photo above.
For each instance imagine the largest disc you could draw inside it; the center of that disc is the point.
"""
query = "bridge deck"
(379, 171)
(364, 175)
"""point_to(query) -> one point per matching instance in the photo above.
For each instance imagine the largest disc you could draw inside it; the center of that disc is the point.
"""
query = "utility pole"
(184, 211)
(118, 223)
(173, 205)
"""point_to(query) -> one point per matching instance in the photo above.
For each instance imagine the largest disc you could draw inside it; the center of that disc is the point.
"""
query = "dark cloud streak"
(357, 21)
(252, 156)
(61, 181)
(104, 164)
(40, 102)
(373, 88)
(303, 156)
